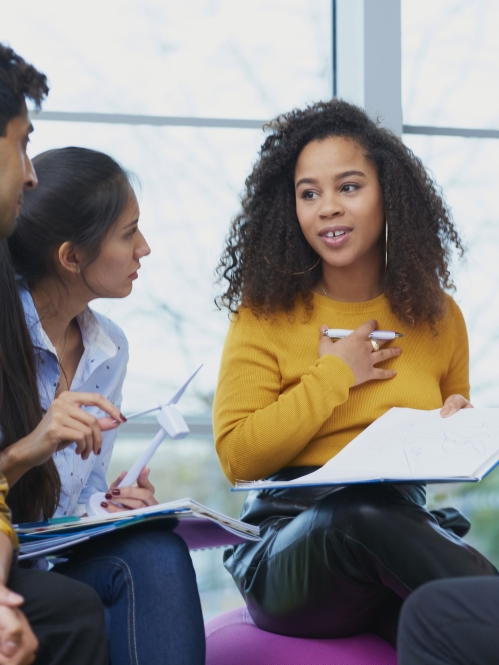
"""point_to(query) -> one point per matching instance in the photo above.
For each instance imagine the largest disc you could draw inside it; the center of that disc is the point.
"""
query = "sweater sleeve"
(258, 429)
(457, 380)
(5, 523)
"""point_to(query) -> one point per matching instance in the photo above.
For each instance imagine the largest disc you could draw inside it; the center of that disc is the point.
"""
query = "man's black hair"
(18, 81)
(36, 495)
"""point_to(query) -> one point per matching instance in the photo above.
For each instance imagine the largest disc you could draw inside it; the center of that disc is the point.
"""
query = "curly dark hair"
(266, 246)
(18, 80)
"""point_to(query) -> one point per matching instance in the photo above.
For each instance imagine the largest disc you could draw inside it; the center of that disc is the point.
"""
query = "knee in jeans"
(157, 549)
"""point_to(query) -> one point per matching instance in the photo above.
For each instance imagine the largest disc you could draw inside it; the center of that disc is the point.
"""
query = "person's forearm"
(5, 558)
(268, 438)
(14, 463)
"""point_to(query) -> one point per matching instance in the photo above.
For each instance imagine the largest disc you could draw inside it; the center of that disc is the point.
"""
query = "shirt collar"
(93, 333)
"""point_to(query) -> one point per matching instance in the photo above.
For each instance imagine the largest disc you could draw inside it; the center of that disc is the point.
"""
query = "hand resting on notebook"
(453, 404)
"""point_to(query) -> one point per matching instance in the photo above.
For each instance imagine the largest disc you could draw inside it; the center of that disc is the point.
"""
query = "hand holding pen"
(380, 335)
(360, 351)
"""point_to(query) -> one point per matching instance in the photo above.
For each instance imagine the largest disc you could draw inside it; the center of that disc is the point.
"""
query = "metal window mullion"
(236, 123)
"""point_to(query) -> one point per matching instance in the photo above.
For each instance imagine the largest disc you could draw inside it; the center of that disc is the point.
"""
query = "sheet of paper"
(408, 443)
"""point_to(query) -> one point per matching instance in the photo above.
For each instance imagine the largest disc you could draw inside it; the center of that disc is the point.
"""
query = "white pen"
(339, 333)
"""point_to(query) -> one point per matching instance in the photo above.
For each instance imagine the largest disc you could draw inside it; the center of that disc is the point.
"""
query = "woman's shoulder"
(453, 312)
(452, 325)
(259, 317)
(248, 322)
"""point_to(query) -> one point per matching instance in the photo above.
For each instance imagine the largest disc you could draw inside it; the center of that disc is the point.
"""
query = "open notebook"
(198, 525)
(408, 445)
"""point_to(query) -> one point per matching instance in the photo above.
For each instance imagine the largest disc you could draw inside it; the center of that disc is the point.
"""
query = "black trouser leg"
(451, 622)
(66, 616)
(331, 570)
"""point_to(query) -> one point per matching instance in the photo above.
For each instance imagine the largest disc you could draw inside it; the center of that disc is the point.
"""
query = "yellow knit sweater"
(5, 522)
(278, 405)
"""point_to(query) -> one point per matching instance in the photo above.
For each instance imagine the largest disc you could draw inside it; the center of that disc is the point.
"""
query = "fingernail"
(123, 418)
(103, 504)
(108, 495)
(116, 492)
(99, 451)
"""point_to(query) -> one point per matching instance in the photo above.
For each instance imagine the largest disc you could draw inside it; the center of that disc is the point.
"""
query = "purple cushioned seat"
(233, 639)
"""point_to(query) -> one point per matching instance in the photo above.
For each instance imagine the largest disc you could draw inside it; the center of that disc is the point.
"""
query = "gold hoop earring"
(386, 244)
(303, 272)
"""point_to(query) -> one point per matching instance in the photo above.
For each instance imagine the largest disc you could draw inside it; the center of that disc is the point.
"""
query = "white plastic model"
(171, 424)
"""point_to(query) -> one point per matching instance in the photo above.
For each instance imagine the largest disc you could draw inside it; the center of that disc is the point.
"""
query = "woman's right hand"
(357, 351)
(66, 422)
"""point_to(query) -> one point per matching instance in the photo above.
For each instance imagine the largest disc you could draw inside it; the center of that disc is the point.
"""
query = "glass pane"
(218, 58)
(191, 180)
(467, 170)
(450, 63)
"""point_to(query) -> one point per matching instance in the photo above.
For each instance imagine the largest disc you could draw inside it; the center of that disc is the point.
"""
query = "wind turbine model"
(171, 424)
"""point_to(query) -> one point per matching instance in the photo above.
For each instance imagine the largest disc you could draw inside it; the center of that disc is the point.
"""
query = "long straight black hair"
(80, 195)
(37, 493)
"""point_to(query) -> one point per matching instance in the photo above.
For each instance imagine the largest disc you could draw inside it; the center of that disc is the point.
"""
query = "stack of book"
(198, 525)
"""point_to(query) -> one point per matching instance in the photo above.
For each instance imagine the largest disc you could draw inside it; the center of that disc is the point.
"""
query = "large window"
(179, 63)
(449, 67)
(178, 92)
(450, 58)
(450, 63)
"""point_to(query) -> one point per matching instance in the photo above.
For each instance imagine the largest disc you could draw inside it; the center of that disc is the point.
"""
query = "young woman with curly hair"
(341, 227)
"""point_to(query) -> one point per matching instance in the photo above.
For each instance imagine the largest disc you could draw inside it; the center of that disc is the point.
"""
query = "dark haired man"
(65, 615)
(17, 81)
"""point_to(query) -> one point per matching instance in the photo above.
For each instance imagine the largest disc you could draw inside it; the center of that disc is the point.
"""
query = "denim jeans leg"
(146, 581)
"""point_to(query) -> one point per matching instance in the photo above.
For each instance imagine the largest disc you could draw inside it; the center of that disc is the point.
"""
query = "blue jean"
(147, 584)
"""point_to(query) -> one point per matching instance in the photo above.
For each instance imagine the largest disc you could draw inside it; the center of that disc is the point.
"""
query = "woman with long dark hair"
(341, 227)
(77, 239)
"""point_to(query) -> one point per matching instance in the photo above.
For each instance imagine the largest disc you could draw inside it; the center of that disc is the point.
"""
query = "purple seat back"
(233, 639)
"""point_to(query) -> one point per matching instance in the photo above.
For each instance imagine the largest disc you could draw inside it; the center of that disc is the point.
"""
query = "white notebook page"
(409, 443)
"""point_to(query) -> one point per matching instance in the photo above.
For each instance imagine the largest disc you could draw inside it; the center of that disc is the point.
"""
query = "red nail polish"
(108, 495)
(103, 504)
(99, 451)
(123, 418)
(116, 492)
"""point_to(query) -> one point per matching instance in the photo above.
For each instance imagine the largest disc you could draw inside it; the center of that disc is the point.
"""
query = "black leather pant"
(337, 562)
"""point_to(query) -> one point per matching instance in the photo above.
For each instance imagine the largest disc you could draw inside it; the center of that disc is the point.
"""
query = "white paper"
(409, 444)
